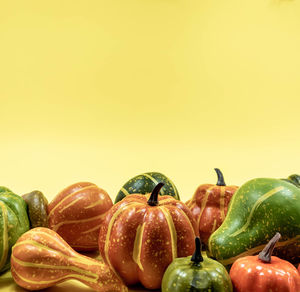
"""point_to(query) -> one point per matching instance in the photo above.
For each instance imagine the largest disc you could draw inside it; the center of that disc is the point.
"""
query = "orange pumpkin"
(264, 273)
(76, 214)
(143, 234)
(41, 258)
(209, 206)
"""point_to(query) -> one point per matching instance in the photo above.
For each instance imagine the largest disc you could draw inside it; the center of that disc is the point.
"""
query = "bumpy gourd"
(76, 214)
(41, 259)
(259, 209)
(145, 183)
(143, 234)
(13, 223)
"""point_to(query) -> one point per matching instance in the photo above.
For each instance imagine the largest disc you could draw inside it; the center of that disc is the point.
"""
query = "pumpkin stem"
(197, 256)
(266, 253)
(221, 181)
(153, 200)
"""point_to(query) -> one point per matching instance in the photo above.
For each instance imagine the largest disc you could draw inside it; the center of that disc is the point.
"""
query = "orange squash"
(209, 206)
(143, 234)
(264, 273)
(41, 258)
(76, 214)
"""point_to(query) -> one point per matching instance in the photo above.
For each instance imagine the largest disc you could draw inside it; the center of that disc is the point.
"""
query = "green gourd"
(37, 209)
(196, 273)
(13, 223)
(145, 183)
(260, 208)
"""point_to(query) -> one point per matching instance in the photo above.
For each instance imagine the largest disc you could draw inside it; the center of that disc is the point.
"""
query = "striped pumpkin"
(41, 259)
(145, 183)
(76, 214)
(13, 223)
(143, 234)
(209, 206)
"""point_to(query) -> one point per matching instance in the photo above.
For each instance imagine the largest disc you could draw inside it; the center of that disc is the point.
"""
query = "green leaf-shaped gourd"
(259, 209)
(196, 273)
(145, 183)
(13, 223)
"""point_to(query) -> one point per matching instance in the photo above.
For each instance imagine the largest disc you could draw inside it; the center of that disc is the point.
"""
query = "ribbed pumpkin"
(209, 205)
(13, 223)
(143, 234)
(264, 273)
(76, 214)
(41, 259)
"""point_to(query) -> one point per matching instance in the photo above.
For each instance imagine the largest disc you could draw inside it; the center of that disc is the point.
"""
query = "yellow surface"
(103, 90)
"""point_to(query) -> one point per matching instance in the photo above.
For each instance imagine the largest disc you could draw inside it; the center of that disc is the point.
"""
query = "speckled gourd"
(41, 259)
(196, 273)
(13, 223)
(260, 208)
(143, 234)
(77, 213)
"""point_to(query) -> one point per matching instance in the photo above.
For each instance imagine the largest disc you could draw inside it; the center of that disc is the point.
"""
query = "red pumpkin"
(264, 273)
(209, 206)
(143, 234)
(76, 214)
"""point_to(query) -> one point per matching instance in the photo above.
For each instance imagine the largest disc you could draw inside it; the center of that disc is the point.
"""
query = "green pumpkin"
(196, 273)
(145, 183)
(260, 208)
(13, 223)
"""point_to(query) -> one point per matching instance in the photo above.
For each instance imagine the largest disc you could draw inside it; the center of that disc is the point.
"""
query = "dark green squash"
(37, 209)
(13, 223)
(196, 273)
(145, 183)
(259, 209)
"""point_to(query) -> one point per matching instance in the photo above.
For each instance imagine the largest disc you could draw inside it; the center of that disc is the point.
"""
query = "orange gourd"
(143, 234)
(41, 258)
(76, 214)
(264, 273)
(209, 206)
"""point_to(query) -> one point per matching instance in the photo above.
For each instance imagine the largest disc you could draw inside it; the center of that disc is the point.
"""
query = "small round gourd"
(196, 273)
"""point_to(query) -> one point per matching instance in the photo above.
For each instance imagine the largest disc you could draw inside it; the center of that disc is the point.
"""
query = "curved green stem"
(221, 181)
(153, 200)
(266, 253)
(197, 256)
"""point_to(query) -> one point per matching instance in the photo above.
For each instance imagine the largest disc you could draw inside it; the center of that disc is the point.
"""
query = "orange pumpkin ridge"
(77, 212)
(209, 206)
(139, 241)
(264, 272)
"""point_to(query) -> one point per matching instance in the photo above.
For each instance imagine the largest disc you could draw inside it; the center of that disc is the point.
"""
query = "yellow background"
(101, 91)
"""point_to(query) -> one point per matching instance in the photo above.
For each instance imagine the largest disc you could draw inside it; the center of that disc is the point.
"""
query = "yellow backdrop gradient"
(101, 91)
(104, 90)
